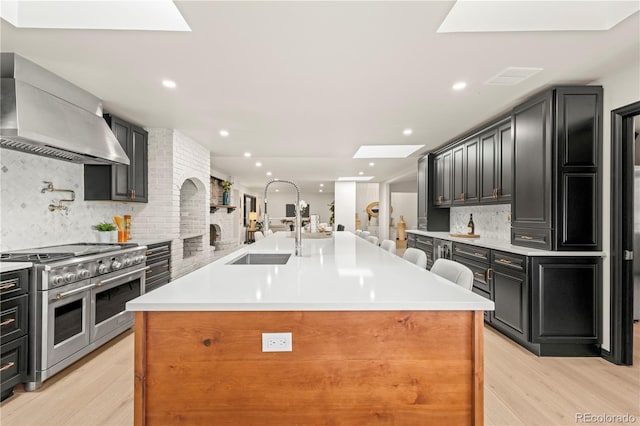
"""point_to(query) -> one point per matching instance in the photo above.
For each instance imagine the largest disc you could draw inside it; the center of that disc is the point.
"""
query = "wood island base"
(346, 367)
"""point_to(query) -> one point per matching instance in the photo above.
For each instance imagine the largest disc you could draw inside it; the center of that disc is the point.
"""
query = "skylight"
(157, 15)
(354, 178)
(492, 16)
(386, 151)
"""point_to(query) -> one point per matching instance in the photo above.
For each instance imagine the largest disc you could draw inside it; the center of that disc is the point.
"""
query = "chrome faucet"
(298, 227)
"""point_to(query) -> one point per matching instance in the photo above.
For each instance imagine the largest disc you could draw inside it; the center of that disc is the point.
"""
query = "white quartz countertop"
(14, 266)
(506, 246)
(341, 273)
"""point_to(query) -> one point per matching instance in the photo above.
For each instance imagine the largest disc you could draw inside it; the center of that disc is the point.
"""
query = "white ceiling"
(301, 85)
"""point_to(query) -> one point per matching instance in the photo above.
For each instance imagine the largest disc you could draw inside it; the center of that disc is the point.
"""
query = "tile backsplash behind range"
(25, 219)
(490, 221)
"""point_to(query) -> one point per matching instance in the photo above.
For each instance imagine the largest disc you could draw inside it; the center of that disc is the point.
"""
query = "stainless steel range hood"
(43, 114)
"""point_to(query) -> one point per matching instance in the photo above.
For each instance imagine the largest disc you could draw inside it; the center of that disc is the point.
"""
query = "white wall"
(621, 87)
(318, 202)
(405, 204)
(345, 205)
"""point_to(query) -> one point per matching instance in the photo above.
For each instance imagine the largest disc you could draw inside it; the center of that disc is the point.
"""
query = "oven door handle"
(72, 292)
(103, 282)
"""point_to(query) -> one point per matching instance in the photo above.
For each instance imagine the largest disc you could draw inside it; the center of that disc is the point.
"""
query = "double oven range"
(78, 294)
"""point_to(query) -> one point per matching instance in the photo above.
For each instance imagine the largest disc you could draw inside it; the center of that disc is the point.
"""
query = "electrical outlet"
(277, 342)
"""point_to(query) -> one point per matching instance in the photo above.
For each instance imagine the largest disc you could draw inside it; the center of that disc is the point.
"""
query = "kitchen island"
(375, 339)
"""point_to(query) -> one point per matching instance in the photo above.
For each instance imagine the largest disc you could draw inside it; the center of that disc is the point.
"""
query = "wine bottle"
(470, 225)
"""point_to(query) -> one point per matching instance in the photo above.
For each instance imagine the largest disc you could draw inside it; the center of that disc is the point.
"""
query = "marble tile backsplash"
(490, 221)
(24, 215)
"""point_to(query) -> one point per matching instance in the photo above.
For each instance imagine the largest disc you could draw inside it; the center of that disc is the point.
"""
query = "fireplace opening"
(215, 235)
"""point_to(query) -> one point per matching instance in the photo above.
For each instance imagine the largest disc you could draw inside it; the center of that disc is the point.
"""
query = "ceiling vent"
(511, 76)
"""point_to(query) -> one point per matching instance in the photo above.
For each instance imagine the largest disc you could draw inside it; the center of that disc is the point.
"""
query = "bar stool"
(373, 239)
(416, 256)
(454, 272)
(389, 246)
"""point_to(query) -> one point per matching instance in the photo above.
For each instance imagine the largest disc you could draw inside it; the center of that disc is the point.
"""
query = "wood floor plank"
(520, 388)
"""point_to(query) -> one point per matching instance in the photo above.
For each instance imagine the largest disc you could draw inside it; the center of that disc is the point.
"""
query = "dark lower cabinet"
(566, 299)
(14, 329)
(426, 245)
(511, 298)
(158, 265)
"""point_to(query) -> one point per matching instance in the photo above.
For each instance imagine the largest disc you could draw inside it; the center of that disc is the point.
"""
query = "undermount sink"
(261, 259)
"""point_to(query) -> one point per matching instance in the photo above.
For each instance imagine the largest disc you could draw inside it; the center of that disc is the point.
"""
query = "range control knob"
(116, 265)
(103, 269)
(139, 259)
(84, 273)
(69, 277)
(127, 262)
(57, 279)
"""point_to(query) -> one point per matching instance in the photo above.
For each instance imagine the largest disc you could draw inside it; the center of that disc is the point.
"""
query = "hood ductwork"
(43, 114)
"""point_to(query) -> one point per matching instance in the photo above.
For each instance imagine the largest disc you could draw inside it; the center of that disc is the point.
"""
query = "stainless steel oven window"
(67, 321)
(111, 301)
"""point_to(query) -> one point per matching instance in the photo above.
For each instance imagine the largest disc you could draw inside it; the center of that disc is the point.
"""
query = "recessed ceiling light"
(277, 190)
(258, 164)
(320, 190)
(322, 184)
(169, 84)
(386, 151)
(247, 154)
(459, 85)
(354, 178)
(269, 173)
(360, 173)
(372, 164)
(407, 132)
(224, 133)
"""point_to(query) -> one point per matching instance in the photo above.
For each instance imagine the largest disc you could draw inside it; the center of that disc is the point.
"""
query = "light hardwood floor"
(520, 388)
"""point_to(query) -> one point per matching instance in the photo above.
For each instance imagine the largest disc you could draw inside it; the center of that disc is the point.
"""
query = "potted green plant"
(106, 232)
(226, 187)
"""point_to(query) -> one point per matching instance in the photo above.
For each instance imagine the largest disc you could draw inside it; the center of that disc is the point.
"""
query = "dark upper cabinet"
(504, 166)
(423, 168)
(495, 156)
(488, 146)
(557, 138)
(442, 183)
(465, 172)
(120, 182)
(457, 181)
(532, 162)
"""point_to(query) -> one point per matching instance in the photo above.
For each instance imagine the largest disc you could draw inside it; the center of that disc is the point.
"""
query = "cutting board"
(465, 235)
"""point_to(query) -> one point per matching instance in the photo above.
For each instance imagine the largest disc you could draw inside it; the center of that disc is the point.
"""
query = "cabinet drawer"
(156, 252)
(471, 252)
(480, 273)
(13, 318)
(509, 261)
(14, 283)
(425, 241)
(411, 240)
(156, 283)
(13, 362)
(536, 238)
(157, 269)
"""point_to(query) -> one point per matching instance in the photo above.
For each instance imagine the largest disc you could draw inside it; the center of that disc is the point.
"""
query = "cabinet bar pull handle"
(165, 266)
(508, 262)
(8, 286)
(526, 237)
(489, 270)
(148, 271)
(8, 366)
(462, 196)
(478, 274)
(478, 254)
(6, 322)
